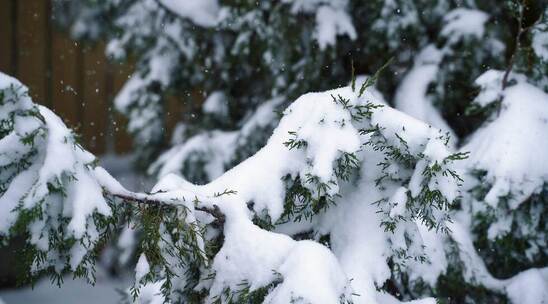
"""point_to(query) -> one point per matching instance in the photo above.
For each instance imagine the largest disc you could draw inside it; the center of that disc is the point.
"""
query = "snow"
(332, 19)
(500, 227)
(262, 184)
(310, 274)
(503, 145)
(219, 146)
(529, 286)
(411, 95)
(399, 199)
(411, 130)
(396, 17)
(126, 243)
(106, 289)
(490, 84)
(474, 268)
(10, 199)
(540, 42)
(385, 298)
(204, 13)
(140, 98)
(216, 104)
(250, 253)
(11, 148)
(159, 71)
(86, 196)
(324, 130)
(360, 245)
(330, 22)
(307, 6)
(6, 81)
(142, 268)
(264, 115)
(59, 157)
(464, 22)
(151, 294)
(55, 161)
(361, 249)
(436, 263)
(71, 292)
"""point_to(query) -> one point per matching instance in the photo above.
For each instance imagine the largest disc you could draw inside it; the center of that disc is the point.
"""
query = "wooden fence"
(75, 80)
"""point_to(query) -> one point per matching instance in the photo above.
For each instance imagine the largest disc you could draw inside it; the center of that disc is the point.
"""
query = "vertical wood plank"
(48, 54)
(65, 73)
(6, 37)
(122, 140)
(111, 123)
(95, 106)
(32, 21)
(74, 82)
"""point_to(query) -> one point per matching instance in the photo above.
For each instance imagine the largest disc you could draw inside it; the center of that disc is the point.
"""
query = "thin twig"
(521, 30)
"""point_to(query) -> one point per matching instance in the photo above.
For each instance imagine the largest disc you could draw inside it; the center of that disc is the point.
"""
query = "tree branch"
(215, 212)
(521, 30)
(514, 51)
(146, 199)
(138, 200)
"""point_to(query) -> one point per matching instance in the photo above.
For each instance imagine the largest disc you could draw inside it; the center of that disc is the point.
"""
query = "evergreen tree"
(446, 201)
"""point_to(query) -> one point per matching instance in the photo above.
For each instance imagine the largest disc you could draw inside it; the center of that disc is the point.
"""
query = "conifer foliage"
(426, 182)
